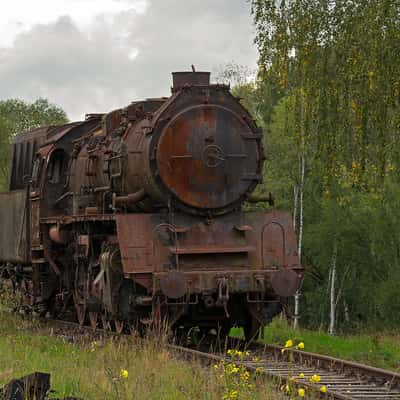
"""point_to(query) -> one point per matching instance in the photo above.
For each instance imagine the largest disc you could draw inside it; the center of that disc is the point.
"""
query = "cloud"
(21, 15)
(120, 57)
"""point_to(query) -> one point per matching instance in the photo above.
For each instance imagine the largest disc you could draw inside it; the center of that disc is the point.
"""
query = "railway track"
(344, 380)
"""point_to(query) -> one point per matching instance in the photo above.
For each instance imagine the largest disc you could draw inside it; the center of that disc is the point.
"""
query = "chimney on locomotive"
(189, 78)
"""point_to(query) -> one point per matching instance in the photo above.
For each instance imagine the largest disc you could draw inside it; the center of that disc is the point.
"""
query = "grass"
(93, 370)
(378, 350)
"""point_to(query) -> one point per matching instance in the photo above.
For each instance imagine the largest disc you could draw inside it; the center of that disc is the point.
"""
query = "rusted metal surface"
(375, 376)
(35, 386)
(203, 157)
(137, 214)
(181, 79)
(23, 151)
(14, 217)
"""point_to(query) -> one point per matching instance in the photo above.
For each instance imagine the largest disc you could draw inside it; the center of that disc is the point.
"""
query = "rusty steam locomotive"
(135, 217)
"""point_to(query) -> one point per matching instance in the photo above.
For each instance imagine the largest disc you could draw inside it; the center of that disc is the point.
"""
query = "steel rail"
(344, 380)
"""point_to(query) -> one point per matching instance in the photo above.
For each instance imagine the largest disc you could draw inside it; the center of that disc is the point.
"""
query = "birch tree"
(339, 61)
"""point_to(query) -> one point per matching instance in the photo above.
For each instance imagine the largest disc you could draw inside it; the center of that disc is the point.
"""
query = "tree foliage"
(17, 116)
(331, 70)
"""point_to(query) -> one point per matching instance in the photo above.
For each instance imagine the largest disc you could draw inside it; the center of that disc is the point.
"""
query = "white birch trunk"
(346, 311)
(295, 201)
(332, 313)
(300, 244)
(301, 208)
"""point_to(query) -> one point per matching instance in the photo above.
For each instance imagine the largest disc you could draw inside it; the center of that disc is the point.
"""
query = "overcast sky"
(95, 55)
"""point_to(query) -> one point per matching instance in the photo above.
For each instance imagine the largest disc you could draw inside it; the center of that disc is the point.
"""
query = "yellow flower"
(231, 395)
(300, 345)
(245, 375)
(230, 352)
(287, 388)
(124, 374)
(289, 343)
(301, 375)
(323, 389)
(301, 392)
(247, 353)
(215, 366)
(315, 379)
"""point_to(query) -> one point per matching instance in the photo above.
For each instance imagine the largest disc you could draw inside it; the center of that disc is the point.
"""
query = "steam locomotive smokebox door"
(203, 158)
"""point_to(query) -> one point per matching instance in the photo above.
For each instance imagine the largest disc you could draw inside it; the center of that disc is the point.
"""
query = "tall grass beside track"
(122, 369)
(128, 368)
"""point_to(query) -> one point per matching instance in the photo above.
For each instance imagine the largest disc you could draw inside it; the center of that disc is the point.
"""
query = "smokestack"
(180, 79)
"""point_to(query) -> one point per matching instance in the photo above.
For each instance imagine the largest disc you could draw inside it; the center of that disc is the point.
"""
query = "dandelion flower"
(215, 366)
(300, 346)
(301, 392)
(245, 375)
(301, 375)
(124, 374)
(323, 389)
(289, 343)
(315, 378)
(231, 395)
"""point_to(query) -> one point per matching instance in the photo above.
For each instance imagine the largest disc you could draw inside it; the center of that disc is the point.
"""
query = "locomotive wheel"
(80, 313)
(136, 331)
(105, 322)
(93, 318)
(119, 326)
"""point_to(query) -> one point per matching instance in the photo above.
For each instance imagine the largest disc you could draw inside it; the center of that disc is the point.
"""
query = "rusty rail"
(344, 380)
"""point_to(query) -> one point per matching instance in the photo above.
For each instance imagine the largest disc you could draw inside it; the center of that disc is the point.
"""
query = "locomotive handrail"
(210, 250)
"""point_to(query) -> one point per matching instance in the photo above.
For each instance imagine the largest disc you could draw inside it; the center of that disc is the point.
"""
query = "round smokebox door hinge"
(213, 156)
